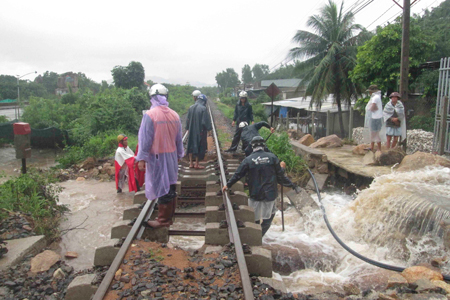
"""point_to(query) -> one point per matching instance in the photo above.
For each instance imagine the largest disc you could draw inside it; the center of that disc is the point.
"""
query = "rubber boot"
(265, 225)
(174, 207)
(164, 218)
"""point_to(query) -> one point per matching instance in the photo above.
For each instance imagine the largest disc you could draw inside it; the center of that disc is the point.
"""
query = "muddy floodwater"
(94, 208)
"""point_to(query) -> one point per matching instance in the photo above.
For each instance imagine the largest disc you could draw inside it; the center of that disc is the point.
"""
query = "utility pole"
(404, 68)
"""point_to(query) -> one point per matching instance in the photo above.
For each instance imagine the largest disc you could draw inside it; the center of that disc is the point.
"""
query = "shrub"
(422, 122)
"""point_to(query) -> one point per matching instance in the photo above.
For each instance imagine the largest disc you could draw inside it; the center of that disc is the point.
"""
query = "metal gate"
(442, 138)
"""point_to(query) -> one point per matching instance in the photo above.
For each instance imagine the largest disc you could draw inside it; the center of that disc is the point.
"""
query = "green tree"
(330, 53)
(260, 71)
(130, 76)
(378, 60)
(227, 79)
(283, 72)
(50, 81)
(247, 75)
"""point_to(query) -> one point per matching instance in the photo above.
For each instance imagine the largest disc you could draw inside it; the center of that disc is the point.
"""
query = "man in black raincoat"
(243, 112)
(264, 173)
(198, 124)
(249, 132)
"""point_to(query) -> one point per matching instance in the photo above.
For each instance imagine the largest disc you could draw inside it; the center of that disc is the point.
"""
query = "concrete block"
(245, 214)
(19, 248)
(81, 288)
(259, 262)
(321, 179)
(211, 199)
(120, 229)
(212, 186)
(105, 255)
(275, 281)
(194, 172)
(251, 234)
(193, 180)
(139, 197)
(160, 235)
(178, 188)
(213, 249)
(132, 212)
(342, 173)
(215, 235)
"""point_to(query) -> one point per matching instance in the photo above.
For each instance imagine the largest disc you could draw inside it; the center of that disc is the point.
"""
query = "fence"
(441, 142)
(42, 138)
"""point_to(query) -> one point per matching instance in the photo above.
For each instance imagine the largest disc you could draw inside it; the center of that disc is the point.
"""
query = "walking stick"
(282, 208)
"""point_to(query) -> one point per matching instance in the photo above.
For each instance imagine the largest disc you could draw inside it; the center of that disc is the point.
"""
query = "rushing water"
(395, 221)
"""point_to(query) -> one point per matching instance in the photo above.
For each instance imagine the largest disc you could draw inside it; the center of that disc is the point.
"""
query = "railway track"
(194, 192)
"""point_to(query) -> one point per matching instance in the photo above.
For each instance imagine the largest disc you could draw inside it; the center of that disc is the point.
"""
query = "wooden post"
(404, 67)
(313, 129)
(350, 123)
(287, 122)
(298, 122)
(442, 134)
(328, 123)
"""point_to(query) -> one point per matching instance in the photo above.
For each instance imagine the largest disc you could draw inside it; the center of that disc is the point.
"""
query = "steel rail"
(185, 136)
(233, 231)
(106, 282)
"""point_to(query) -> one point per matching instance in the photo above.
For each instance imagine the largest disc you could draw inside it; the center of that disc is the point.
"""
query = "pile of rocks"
(17, 225)
(102, 169)
(418, 140)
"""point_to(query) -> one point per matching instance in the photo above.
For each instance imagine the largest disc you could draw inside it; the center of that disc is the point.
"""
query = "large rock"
(331, 141)
(306, 140)
(292, 133)
(360, 149)
(110, 170)
(369, 159)
(390, 157)
(397, 281)
(420, 160)
(44, 261)
(412, 274)
(88, 164)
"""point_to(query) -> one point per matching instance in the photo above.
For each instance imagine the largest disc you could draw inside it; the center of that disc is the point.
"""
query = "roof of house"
(281, 83)
(302, 103)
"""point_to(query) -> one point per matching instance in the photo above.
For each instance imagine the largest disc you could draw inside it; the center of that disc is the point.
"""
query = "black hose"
(368, 260)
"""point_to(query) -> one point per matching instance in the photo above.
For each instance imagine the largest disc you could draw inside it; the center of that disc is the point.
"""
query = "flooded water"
(94, 208)
(372, 225)
(10, 166)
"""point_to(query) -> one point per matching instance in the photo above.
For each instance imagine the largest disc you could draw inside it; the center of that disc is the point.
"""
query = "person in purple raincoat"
(160, 148)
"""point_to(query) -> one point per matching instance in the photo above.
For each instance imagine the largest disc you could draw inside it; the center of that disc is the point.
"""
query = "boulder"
(420, 160)
(442, 285)
(412, 274)
(360, 149)
(390, 157)
(306, 140)
(397, 281)
(44, 261)
(88, 164)
(110, 170)
(331, 141)
(292, 133)
(369, 159)
(81, 179)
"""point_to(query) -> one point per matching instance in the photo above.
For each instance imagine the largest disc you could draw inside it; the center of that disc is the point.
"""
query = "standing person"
(394, 116)
(124, 165)
(264, 172)
(374, 128)
(195, 94)
(160, 148)
(243, 112)
(249, 132)
(198, 124)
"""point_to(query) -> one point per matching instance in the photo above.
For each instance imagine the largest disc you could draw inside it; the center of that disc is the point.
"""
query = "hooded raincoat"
(374, 126)
(160, 146)
(397, 111)
(243, 113)
(198, 123)
(124, 165)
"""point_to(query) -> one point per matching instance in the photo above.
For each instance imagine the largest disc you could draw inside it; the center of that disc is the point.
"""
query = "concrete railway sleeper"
(228, 219)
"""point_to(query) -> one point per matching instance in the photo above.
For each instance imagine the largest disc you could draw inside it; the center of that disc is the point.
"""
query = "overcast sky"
(182, 41)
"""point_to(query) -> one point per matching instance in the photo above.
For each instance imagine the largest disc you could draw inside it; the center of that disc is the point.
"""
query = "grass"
(37, 194)
(226, 110)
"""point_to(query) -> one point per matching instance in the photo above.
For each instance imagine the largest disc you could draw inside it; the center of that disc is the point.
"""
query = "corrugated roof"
(302, 103)
(281, 83)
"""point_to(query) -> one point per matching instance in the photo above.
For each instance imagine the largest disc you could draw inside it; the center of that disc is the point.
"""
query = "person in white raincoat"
(124, 164)
(374, 127)
(394, 116)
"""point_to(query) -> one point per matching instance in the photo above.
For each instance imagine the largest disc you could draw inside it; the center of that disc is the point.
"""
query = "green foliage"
(130, 76)
(259, 113)
(3, 119)
(226, 110)
(422, 122)
(8, 87)
(330, 53)
(37, 194)
(247, 74)
(378, 60)
(227, 79)
(210, 91)
(180, 97)
(43, 113)
(283, 72)
(260, 71)
(280, 146)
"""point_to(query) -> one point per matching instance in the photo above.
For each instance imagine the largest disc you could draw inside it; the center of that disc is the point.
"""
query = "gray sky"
(178, 40)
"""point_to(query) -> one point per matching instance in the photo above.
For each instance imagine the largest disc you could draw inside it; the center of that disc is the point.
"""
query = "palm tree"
(329, 55)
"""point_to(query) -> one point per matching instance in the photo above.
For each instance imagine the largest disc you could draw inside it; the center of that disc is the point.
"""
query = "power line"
(381, 15)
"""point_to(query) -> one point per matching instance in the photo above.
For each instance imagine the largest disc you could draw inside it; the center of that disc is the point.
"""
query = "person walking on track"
(198, 124)
(264, 173)
(243, 112)
(160, 148)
